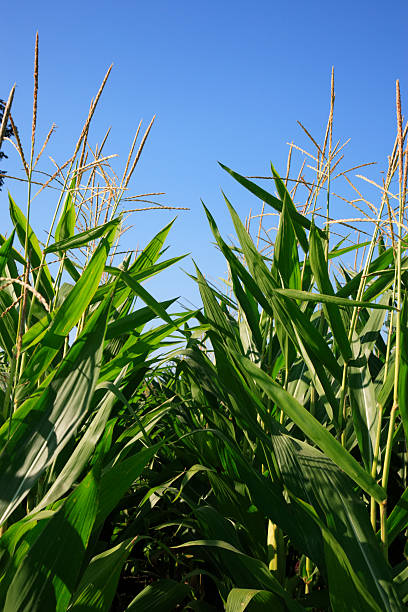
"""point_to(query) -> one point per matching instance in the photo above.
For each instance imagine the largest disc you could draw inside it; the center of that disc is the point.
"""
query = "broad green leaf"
(19, 544)
(254, 600)
(286, 200)
(322, 382)
(78, 460)
(287, 311)
(99, 582)
(83, 238)
(381, 263)
(236, 265)
(5, 251)
(36, 332)
(320, 271)
(8, 323)
(71, 268)
(347, 592)
(379, 286)
(151, 252)
(34, 249)
(263, 195)
(144, 295)
(296, 323)
(161, 596)
(337, 252)
(131, 322)
(140, 268)
(329, 299)
(66, 224)
(249, 312)
(363, 402)
(66, 317)
(254, 568)
(48, 573)
(314, 430)
(267, 494)
(142, 345)
(45, 422)
(145, 273)
(370, 334)
(15, 255)
(401, 581)
(286, 257)
(118, 479)
(398, 519)
(215, 314)
(312, 477)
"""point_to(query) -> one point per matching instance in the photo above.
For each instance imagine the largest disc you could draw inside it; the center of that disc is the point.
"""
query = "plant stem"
(394, 409)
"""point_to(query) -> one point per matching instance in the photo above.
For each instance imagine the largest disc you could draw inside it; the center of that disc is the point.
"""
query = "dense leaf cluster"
(225, 458)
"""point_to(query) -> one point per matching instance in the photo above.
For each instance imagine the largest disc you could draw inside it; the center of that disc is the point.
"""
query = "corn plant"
(76, 347)
(290, 409)
(250, 455)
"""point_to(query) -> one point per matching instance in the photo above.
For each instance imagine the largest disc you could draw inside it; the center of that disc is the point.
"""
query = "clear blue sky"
(227, 80)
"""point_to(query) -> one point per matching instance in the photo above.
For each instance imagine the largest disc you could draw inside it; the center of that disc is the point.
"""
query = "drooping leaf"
(257, 572)
(328, 299)
(83, 238)
(264, 196)
(347, 592)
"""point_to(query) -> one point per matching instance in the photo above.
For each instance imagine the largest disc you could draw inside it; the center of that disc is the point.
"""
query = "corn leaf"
(65, 318)
(161, 596)
(320, 271)
(83, 238)
(398, 519)
(44, 423)
(297, 218)
(34, 250)
(403, 368)
(329, 299)
(363, 402)
(117, 480)
(258, 601)
(83, 451)
(314, 430)
(45, 581)
(66, 224)
(99, 582)
(286, 257)
(257, 572)
(5, 252)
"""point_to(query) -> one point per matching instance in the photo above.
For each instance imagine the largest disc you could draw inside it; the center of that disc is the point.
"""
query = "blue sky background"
(227, 80)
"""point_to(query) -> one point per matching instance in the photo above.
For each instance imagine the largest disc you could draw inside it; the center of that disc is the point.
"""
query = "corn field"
(247, 455)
